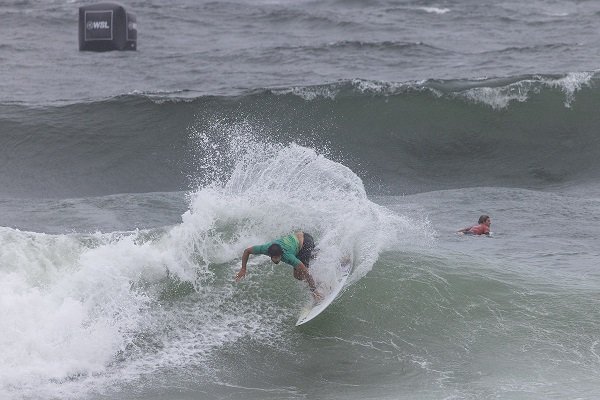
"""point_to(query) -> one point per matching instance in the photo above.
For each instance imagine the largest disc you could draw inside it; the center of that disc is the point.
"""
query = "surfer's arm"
(304, 274)
(242, 272)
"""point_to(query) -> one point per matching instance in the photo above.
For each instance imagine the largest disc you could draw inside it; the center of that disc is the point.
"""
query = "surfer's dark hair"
(274, 250)
(483, 218)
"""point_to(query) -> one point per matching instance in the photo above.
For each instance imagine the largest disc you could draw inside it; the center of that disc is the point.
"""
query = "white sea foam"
(500, 97)
(435, 10)
(571, 84)
(393, 88)
(332, 91)
(309, 92)
(66, 308)
(71, 305)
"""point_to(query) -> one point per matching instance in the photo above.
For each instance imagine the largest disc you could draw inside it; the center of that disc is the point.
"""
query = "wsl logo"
(104, 27)
(96, 25)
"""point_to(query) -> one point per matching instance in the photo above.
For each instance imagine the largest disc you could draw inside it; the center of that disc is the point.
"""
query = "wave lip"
(521, 90)
(498, 93)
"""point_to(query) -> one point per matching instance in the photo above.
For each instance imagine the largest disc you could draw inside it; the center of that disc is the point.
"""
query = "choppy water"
(130, 183)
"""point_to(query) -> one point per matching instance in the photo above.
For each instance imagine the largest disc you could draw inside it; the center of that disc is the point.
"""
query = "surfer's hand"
(240, 275)
(316, 295)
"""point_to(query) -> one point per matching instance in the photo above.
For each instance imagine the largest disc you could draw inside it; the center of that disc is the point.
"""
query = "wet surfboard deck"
(317, 307)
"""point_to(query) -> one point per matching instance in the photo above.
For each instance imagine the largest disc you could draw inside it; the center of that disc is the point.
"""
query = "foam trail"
(66, 312)
(71, 303)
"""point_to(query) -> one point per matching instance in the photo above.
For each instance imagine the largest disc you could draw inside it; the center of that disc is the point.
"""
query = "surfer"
(483, 227)
(295, 249)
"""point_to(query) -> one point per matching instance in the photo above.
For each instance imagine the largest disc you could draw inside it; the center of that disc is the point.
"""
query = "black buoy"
(106, 27)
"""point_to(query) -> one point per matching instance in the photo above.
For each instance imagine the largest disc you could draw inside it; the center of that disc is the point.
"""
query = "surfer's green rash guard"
(290, 246)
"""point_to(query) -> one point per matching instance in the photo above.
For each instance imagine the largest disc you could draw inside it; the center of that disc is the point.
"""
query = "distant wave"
(385, 45)
(349, 46)
(400, 137)
(537, 48)
(495, 92)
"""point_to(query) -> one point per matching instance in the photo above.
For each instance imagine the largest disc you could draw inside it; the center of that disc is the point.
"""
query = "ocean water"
(131, 183)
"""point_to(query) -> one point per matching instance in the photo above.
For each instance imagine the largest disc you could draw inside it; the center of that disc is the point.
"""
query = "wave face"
(531, 131)
(154, 313)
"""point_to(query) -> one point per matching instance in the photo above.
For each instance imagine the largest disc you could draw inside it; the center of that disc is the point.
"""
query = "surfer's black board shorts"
(307, 248)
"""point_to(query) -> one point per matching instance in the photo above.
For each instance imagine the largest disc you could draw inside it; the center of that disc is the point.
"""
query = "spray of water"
(82, 311)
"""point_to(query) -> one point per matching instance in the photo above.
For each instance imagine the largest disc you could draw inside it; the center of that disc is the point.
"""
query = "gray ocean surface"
(131, 183)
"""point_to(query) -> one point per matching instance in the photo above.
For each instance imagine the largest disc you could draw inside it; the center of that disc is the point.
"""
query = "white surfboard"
(317, 307)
